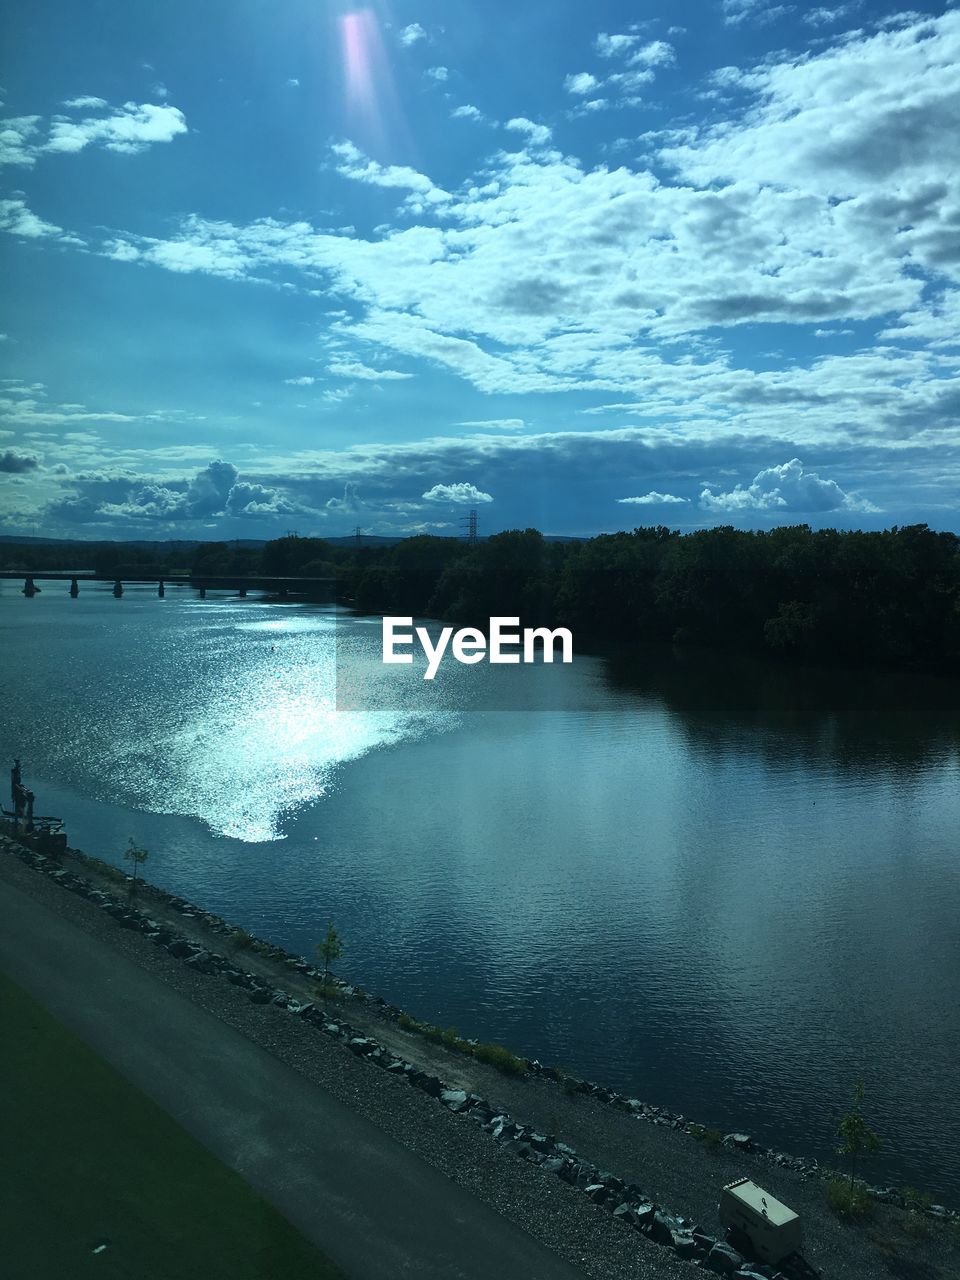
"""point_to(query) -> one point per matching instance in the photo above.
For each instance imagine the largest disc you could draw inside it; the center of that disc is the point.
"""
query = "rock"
(684, 1245)
(703, 1241)
(202, 962)
(260, 996)
(623, 1211)
(554, 1164)
(740, 1141)
(455, 1099)
(723, 1260)
(660, 1228)
(643, 1212)
(359, 1045)
(429, 1084)
(395, 1067)
(598, 1192)
(179, 948)
(502, 1127)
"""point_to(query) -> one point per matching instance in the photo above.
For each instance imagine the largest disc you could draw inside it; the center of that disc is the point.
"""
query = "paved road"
(368, 1203)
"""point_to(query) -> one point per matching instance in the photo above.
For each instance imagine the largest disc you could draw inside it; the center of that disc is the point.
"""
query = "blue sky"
(286, 265)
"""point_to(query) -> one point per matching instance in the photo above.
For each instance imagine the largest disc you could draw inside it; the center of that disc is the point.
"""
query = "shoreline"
(384, 1036)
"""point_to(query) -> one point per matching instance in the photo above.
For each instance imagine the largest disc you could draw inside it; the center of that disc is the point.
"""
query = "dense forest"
(876, 599)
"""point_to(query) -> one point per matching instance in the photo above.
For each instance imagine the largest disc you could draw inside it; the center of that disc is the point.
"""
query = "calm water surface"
(722, 887)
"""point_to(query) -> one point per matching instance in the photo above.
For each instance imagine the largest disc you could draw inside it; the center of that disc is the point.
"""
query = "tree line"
(879, 599)
(884, 599)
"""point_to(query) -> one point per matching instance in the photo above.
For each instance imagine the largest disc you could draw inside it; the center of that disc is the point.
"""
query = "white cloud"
(350, 500)
(538, 134)
(614, 46)
(355, 165)
(582, 83)
(758, 11)
(624, 85)
(822, 17)
(16, 218)
(86, 102)
(440, 74)
(654, 499)
(293, 83)
(129, 130)
(658, 53)
(460, 494)
(786, 488)
(466, 112)
(16, 140)
(356, 369)
(303, 381)
(411, 34)
(495, 424)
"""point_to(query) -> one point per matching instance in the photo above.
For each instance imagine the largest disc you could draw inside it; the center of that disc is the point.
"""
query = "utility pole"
(358, 535)
(470, 532)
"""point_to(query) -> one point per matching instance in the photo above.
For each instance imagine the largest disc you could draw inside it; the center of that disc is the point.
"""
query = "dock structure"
(240, 584)
(46, 834)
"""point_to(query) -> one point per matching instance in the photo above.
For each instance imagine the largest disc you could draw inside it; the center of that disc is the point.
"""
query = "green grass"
(495, 1055)
(88, 1158)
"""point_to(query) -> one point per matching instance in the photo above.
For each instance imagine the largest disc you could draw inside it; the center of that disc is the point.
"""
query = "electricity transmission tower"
(470, 530)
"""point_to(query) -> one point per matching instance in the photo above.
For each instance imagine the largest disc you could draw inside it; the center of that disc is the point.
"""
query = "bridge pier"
(74, 588)
(243, 593)
(118, 589)
(203, 593)
(30, 588)
(161, 592)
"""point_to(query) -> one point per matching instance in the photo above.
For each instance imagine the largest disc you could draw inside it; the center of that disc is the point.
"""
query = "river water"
(724, 887)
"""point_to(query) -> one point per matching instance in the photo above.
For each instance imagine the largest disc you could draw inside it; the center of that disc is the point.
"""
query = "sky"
(311, 265)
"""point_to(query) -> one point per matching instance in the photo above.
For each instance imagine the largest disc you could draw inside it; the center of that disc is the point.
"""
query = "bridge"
(283, 587)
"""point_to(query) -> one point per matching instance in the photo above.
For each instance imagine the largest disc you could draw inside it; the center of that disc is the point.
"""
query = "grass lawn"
(86, 1159)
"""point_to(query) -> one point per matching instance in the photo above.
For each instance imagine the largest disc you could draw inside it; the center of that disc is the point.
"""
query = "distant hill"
(188, 544)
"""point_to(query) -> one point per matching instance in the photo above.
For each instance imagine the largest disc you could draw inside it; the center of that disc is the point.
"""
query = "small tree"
(329, 950)
(856, 1136)
(138, 857)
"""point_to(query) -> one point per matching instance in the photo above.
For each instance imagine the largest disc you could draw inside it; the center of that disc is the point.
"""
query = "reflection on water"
(722, 886)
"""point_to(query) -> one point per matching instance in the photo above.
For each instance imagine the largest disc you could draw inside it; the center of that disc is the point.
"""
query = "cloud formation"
(410, 34)
(786, 488)
(128, 130)
(654, 499)
(14, 463)
(460, 494)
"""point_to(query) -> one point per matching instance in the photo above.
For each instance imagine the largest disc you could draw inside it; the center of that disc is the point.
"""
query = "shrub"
(848, 1199)
(497, 1056)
